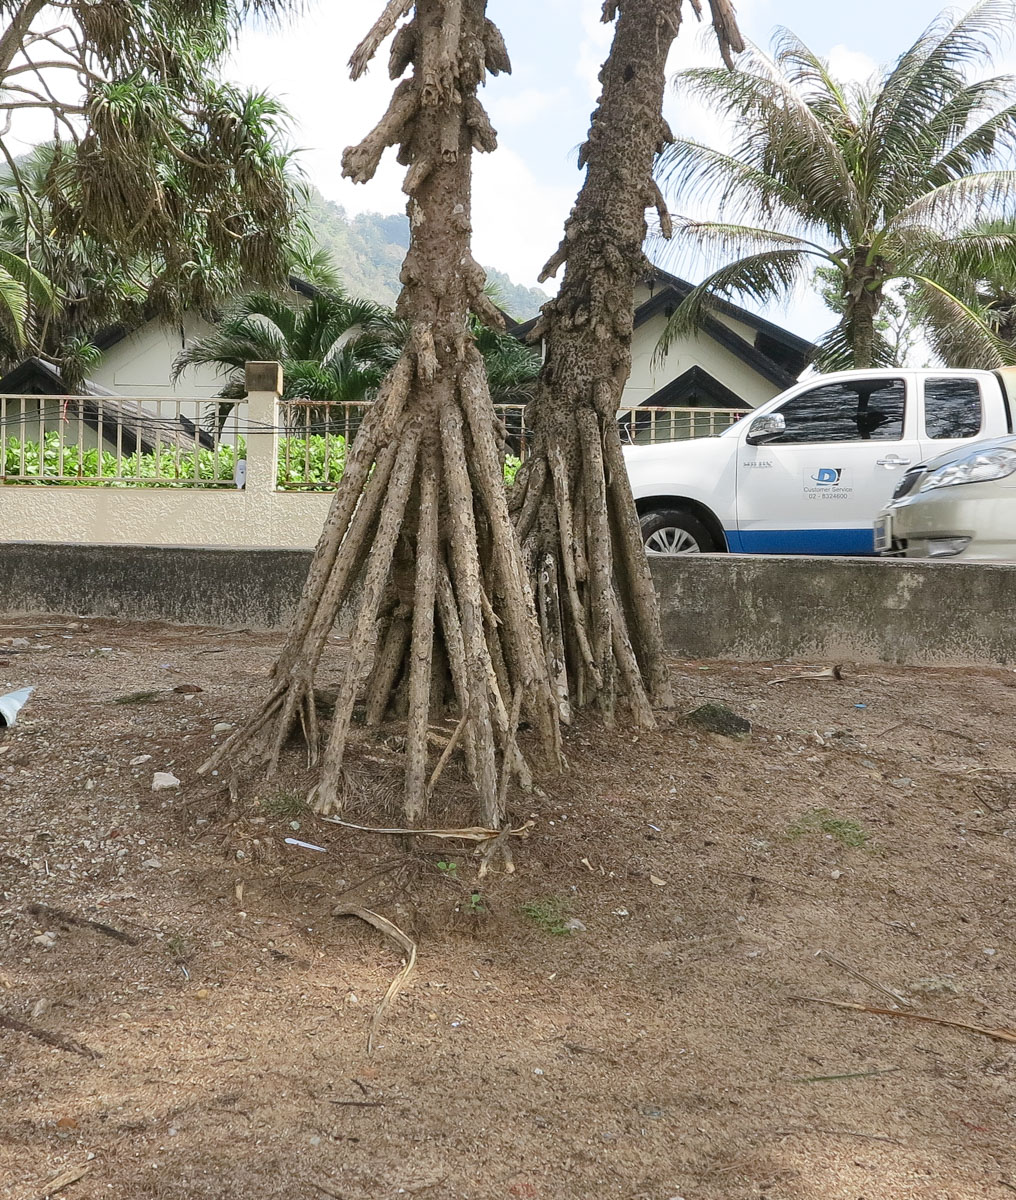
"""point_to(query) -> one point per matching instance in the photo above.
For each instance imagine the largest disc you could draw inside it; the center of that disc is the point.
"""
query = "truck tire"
(671, 531)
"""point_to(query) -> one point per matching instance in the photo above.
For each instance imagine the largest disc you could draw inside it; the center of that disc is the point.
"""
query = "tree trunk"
(421, 514)
(863, 312)
(862, 301)
(573, 502)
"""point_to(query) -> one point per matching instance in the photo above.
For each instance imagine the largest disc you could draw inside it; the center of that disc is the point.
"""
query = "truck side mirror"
(763, 428)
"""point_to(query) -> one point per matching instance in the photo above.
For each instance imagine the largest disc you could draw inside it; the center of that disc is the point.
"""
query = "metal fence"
(646, 425)
(315, 433)
(109, 441)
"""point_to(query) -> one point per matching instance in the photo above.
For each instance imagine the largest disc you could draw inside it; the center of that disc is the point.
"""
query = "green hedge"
(307, 468)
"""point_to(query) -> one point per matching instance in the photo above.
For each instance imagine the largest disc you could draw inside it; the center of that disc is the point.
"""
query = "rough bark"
(427, 530)
(862, 300)
(574, 509)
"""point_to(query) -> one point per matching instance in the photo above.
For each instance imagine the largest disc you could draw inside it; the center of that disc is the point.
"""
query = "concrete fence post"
(264, 388)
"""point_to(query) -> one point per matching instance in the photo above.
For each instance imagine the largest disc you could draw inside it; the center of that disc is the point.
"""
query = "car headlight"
(975, 468)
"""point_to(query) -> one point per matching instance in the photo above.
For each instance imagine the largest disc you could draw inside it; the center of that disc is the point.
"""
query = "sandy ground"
(656, 1049)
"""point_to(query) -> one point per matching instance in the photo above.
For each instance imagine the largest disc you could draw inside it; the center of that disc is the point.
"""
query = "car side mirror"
(763, 428)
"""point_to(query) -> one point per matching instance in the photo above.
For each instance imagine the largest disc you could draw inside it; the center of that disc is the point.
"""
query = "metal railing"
(115, 441)
(647, 425)
(315, 434)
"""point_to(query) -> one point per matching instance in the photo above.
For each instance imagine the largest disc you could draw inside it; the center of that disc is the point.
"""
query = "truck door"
(816, 487)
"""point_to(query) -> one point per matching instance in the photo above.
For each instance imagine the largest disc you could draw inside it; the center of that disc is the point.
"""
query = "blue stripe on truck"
(801, 541)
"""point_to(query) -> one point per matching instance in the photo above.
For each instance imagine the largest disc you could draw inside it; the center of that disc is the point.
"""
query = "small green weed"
(476, 905)
(450, 870)
(137, 698)
(284, 806)
(550, 914)
(178, 947)
(823, 820)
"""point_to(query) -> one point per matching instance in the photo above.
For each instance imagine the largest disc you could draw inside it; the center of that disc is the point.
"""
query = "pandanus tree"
(574, 511)
(421, 514)
(160, 174)
(879, 181)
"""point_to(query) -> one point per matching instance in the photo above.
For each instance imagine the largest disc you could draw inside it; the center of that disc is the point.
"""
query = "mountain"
(368, 250)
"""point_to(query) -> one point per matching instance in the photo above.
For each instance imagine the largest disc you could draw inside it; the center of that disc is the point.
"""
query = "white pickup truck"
(808, 472)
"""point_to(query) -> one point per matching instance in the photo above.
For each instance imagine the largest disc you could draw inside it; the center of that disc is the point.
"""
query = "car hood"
(958, 452)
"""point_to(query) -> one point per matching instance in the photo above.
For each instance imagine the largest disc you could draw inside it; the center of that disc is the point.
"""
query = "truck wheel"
(674, 531)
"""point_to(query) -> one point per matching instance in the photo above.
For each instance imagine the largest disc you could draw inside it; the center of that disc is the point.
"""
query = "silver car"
(960, 505)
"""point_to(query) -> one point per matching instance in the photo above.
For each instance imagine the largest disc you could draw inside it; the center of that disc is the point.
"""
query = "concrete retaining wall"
(253, 589)
(714, 606)
(854, 609)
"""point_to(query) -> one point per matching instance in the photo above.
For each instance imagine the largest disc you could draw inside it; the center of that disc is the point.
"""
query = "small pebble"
(163, 781)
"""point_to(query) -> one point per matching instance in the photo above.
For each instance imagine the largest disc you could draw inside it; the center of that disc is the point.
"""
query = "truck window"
(854, 410)
(952, 407)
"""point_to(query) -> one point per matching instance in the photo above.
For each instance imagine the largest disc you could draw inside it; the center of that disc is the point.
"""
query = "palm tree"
(333, 348)
(880, 181)
(988, 289)
(330, 347)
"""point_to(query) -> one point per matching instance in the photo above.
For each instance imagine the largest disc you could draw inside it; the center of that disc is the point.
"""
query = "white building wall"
(702, 351)
(142, 364)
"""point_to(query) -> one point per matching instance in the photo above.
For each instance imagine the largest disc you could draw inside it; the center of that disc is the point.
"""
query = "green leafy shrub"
(304, 464)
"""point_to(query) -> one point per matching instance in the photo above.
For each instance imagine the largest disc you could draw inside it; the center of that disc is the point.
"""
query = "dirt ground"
(657, 1048)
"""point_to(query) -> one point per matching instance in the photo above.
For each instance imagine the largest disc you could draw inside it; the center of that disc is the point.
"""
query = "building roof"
(775, 353)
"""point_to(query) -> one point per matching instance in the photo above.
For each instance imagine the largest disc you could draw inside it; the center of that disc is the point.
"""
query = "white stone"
(163, 781)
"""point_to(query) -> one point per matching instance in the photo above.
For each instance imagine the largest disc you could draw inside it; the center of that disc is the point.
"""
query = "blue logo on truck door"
(828, 476)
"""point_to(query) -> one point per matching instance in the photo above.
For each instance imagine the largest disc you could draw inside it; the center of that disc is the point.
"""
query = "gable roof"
(679, 288)
(775, 353)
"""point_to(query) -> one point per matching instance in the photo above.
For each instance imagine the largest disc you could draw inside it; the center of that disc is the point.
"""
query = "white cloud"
(517, 219)
(593, 47)
(522, 108)
(305, 66)
(850, 66)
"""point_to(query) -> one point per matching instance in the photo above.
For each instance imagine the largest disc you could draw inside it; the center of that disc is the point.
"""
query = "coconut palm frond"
(961, 201)
(778, 132)
(772, 274)
(723, 180)
(963, 333)
(936, 66)
(714, 242)
(887, 180)
(13, 305)
(968, 257)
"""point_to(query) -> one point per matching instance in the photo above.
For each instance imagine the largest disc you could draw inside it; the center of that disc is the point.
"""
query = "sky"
(524, 191)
